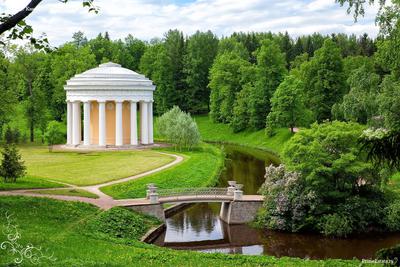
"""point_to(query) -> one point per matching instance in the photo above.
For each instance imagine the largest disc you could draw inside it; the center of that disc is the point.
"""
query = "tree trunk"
(32, 132)
(14, 19)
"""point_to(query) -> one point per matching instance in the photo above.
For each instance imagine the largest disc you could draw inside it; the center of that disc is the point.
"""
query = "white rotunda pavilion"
(110, 96)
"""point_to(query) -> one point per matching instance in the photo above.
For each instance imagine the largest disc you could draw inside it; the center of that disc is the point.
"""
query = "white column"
(144, 123)
(102, 123)
(69, 123)
(118, 124)
(76, 123)
(150, 118)
(134, 135)
(86, 123)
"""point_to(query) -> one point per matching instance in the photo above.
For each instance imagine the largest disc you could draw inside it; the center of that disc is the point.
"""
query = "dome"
(109, 76)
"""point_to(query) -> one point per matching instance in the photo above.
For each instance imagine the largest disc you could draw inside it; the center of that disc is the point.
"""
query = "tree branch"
(14, 19)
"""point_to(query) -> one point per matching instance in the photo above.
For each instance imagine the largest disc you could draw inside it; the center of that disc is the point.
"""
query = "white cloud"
(148, 19)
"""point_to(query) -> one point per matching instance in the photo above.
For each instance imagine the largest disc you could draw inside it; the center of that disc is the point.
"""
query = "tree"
(156, 65)
(227, 76)
(79, 39)
(271, 70)
(175, 49)
(20, 30)
(8, 94)
(361, 103)
(201, 51)
(179, 128)
(12, 167)
(55, 134)
(67, 61)
(324, 80)
(287, 106)
(389, 103)
(136, 49)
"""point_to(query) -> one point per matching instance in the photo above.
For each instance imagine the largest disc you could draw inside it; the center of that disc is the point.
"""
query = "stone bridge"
(236, 208)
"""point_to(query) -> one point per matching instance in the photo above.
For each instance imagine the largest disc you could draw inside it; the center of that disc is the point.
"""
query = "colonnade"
(74, 123)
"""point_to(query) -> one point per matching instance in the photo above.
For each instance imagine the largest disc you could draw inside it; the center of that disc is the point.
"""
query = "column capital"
(86, 101)
(101, 101)
(119, 101)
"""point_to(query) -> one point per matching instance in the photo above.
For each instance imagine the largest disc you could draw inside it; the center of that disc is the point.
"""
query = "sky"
(146, 19)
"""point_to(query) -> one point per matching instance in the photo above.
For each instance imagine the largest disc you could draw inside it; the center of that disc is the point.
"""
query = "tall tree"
(271, 70)
(287, 106)
(201, 51)
(175, 50)
(324, 80)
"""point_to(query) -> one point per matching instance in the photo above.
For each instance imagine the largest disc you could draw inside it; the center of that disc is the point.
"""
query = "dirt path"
(104, 201)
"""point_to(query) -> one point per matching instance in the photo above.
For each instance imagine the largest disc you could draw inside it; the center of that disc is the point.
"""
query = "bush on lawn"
(55, 133)
(12, 167)
(179, 128)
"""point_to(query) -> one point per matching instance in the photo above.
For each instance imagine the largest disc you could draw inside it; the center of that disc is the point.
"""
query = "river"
(199, 227)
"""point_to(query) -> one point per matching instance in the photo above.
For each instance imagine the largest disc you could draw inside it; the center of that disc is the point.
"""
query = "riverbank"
(218, 132)
(201, 167)
(66, 230)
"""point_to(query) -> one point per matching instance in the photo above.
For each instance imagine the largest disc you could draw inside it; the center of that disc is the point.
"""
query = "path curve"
(104, 201)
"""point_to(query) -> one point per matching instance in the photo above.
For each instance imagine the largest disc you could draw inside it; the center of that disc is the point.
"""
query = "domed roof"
(109, 76)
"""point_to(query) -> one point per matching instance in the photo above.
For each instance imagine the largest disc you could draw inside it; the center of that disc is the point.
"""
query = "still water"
(199, 227)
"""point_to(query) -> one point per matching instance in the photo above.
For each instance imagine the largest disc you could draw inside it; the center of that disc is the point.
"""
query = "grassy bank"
(28, 182)
(218, 132)
(89, 168)
(200, 167)
(68, 192)
(79, 234)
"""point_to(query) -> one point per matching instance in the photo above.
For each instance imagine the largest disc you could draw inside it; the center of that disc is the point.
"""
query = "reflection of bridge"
(236, 208)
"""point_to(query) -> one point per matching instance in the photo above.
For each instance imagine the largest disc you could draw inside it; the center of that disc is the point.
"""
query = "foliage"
(328, 186)
(392, 253)
(120, 223)
(12, 167)
(324, 80)
(179, 128)
(12, 136)
(228, 75)
(201, 168)
(389, 103)
(361, 103)
(271, 70)
(200, 53)
(287, 202)
(287, 106)
(392, 218)
(55, 133)
(336, 225)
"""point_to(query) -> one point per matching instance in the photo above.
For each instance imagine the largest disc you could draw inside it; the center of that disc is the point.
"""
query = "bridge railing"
(205, 191)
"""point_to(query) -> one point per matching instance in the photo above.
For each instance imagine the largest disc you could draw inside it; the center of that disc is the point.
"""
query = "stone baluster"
(231, 188)
(238, 193)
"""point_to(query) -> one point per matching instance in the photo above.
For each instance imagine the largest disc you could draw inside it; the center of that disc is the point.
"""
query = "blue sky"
(146, 19)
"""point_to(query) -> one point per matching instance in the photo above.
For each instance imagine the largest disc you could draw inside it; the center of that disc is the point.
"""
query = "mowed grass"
(219, 132)
(28, 182)
(68, 192)
(89, 168)
(74, 233)
(200, 168)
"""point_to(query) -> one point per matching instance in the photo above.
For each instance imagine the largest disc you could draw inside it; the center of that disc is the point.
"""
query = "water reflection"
(199, 227)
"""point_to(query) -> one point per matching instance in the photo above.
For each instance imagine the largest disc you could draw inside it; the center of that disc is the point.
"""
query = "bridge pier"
(239, 212)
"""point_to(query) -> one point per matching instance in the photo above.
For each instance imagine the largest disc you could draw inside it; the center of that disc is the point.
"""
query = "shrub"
(287, 203)
(120, 224)
(392, 254)
(12, 167)
(336, 225)
(12, 136)
(179, 128)
(392, 219)
(55, 133)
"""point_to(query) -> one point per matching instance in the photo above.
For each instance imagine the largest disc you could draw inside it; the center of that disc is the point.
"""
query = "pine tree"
(12, 167)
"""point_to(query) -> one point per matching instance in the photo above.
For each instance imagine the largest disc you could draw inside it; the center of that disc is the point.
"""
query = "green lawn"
(200, 167)
(218, 132)
(68, 192)
(28, 183)
(79, 234)
(89, 168)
